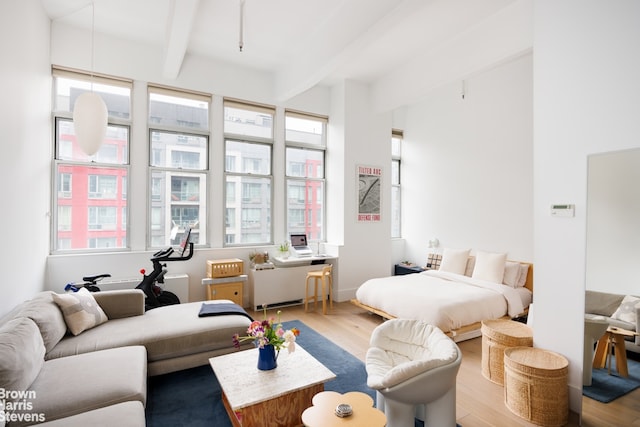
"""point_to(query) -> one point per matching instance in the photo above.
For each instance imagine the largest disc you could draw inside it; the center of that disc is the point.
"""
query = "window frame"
(237, 206)
(396, 158)
(92, 163)
(154, 128)
(300, 145)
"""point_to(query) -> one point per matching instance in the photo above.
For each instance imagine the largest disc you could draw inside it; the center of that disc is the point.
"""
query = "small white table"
(252, 396)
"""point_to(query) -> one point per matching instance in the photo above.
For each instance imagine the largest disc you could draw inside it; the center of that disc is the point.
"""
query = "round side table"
(322, 413)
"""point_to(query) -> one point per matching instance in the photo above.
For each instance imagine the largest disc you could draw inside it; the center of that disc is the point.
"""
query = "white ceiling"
(309, 42)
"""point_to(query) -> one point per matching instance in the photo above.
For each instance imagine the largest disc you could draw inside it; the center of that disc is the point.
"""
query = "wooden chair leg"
(324, 298)
(315, 293)
(621, 356)
(331, 292)
(602, 352)
(306, 295)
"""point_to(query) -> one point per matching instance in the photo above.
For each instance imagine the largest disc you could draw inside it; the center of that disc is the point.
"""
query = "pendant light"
(90, 113)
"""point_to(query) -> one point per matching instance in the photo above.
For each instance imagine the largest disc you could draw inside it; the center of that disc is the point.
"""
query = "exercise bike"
(155, 296)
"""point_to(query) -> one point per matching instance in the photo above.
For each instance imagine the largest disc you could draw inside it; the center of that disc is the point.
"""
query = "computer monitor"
(298, 240)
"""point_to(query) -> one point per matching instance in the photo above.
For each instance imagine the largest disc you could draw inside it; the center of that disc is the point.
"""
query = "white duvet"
(446, 300)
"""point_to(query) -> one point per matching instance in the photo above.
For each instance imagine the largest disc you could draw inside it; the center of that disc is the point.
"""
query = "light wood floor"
(480, 403)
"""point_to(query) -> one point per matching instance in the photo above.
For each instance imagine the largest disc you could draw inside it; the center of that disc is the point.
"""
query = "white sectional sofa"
(64, 379)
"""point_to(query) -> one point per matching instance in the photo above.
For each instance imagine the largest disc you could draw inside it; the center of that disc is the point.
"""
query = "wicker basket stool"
(497, 335)
(535, 385)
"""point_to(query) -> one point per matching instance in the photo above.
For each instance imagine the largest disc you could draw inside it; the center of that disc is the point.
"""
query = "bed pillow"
(511, 274)
(454, 260)
(489, 266)
(524, 272)
(627, 310)
(80, 310)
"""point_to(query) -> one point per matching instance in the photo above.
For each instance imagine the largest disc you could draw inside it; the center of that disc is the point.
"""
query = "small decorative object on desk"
(269, 336)
(284, 250)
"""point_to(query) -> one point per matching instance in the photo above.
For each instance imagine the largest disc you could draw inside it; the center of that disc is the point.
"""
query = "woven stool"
(536, 386)
(497, 335)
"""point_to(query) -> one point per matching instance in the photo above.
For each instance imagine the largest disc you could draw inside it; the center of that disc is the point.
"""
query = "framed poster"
(369, 178)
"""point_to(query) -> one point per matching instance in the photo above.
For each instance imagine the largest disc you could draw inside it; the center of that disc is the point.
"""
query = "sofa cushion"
(602, 303)
(72, 385)
(21, 353)
(126, 414)
(80, 310)
(47, 315)
(167, 332)
(627, 309)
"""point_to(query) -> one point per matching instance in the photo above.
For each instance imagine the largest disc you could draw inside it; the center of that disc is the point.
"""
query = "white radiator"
(176, 283)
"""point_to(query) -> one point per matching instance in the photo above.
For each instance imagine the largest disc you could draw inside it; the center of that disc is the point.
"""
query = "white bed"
(455, 303)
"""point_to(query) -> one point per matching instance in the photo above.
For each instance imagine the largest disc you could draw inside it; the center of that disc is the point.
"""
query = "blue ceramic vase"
(267, 358)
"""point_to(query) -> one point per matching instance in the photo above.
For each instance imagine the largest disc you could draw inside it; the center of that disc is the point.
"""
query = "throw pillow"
(21, 353)
(80, 310)
(627, 310)
(489, 266)
(454, 260)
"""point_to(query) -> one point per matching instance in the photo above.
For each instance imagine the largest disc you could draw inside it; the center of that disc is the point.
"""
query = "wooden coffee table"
(322, 413)
(278, 397)
(613, 339)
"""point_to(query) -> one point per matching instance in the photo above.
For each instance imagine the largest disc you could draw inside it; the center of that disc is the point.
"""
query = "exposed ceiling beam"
(179, 24)
(334, 42)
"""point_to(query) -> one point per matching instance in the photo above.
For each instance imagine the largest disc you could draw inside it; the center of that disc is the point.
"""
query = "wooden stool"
(324, 276)
(613, 340)
(498, 335)
(322, 413)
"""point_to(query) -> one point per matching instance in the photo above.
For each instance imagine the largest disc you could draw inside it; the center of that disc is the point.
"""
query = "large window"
(90, 190)
(178, 154)
(396, 145)
(305, 174)
(248, 131)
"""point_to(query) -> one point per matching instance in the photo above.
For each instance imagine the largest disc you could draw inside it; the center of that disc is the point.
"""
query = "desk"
(283, 286)
(299, 261)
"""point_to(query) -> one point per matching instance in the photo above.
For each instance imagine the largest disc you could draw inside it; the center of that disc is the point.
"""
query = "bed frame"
(463, 333)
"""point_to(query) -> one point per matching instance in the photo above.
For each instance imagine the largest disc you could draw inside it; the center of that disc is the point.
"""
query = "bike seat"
(93, 279)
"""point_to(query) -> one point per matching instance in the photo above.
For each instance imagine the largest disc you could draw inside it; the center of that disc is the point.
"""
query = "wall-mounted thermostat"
(562, 210)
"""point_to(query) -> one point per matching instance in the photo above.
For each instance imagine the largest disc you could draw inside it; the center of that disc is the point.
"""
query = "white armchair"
(413, 367)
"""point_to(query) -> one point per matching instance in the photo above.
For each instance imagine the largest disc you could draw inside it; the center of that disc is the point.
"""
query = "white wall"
(467, 170)
(586, 91)
(25, 111)
(367, 141)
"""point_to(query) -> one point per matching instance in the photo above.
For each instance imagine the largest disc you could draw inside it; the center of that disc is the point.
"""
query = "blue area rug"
(193, 397)
(605, 388)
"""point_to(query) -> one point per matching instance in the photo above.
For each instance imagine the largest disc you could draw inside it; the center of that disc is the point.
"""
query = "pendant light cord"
(93, 29)
(241, 41)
